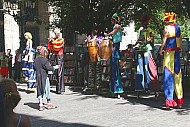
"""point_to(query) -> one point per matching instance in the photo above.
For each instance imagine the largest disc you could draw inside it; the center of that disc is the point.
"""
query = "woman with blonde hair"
(9, 98)
(28, 63)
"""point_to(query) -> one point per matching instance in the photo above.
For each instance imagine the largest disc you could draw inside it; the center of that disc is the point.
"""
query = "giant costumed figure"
(146, 75)
(56, 46)
(172, 46)
(28, 63)
(115, 76)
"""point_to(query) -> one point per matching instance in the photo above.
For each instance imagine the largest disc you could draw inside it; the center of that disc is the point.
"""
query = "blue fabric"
(171, 43)
(46, 90)
(115, 77)
(25, 66)
(147, 71)
(117, 37)
(178, 31)
(31, 75)
(142, 82)
(18, 124)
(139, 80)
(168, 82)
(177, 62)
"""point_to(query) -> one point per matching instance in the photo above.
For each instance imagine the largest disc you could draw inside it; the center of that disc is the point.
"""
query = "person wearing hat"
(94, 67)
(171, 48)
(42, 66)
(116, 86)
(28, 63)
(56, 45)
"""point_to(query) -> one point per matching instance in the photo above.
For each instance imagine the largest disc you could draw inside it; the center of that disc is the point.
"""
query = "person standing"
(171, 47)
(56, 45)
(42, 66)
(10, 57)
(94, 68)
(17, 66)
(115, 77)
(4, 65)
(28, 63)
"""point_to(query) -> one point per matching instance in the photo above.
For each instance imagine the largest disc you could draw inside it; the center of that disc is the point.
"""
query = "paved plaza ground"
(82, 109)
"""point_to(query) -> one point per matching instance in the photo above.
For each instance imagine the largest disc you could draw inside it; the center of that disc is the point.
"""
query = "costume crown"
(169, 17)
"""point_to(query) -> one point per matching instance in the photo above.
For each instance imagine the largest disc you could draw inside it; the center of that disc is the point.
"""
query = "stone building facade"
(11, 29)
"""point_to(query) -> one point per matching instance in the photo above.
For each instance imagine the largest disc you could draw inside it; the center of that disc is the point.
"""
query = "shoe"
(41, 108)
(51, 106)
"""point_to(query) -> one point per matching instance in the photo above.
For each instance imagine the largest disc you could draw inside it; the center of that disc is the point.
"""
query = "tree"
(79, 15)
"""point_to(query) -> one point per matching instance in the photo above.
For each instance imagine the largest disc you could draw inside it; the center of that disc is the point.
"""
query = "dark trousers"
(17, 72)
(59, 73)
(94, 78)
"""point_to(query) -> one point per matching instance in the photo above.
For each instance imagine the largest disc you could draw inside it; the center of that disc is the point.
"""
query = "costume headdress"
(29, 35)
(116, 17)
(41, 50)
(169, 17)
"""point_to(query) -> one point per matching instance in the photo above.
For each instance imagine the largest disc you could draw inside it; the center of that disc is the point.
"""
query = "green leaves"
(79, 15)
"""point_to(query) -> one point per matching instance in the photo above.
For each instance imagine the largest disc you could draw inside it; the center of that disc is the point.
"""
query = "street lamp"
(22, 11)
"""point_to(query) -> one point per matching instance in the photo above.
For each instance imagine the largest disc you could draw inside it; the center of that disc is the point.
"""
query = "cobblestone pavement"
(81, 109)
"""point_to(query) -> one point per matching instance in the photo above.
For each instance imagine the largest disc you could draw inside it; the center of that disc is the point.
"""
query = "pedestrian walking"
(171, 47)
(42, 66)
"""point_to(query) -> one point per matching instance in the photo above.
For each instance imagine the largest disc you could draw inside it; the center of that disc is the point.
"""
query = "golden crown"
(169, 17)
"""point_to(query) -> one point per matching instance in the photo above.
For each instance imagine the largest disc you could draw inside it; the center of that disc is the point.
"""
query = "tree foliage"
(79, 15)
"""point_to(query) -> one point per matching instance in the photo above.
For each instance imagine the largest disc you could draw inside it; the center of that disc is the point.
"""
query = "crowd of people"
(37, 63)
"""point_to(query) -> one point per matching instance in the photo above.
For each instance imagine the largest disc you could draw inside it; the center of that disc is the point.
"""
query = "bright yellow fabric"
(178, 42)
(178, 85)
(169, 60)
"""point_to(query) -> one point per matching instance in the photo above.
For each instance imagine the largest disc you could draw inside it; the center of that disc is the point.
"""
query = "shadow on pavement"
(147, 99)
(40, 122)
(32, 105)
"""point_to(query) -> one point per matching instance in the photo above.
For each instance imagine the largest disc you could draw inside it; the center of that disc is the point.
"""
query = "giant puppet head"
(169, 17)
(28, 35)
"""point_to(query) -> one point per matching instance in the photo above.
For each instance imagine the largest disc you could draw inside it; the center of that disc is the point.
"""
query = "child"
(42, 66)
(9, 98)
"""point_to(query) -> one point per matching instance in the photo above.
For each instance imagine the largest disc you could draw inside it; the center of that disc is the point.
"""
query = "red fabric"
(50, 46)
(170, 103)
(180, 101)
(56, 46)
(4, 71)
